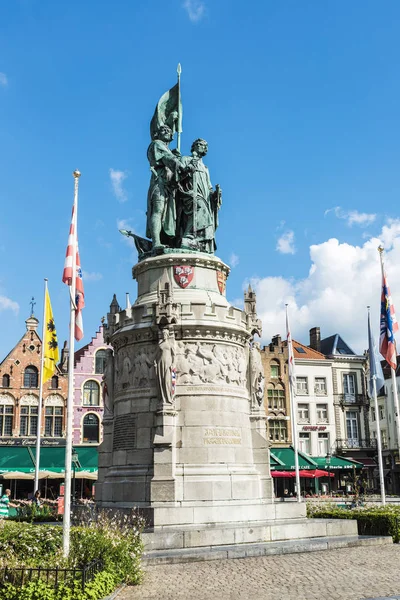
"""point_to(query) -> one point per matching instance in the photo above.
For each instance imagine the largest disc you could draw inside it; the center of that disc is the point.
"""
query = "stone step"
(184, 555)
(246, 533)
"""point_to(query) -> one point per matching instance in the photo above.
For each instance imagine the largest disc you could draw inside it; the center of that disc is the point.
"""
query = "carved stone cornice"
(169, 260)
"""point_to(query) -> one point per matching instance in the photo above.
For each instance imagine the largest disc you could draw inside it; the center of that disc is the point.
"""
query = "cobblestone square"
(348, 574)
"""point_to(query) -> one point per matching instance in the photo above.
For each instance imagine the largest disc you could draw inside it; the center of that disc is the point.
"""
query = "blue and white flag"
(375, 368)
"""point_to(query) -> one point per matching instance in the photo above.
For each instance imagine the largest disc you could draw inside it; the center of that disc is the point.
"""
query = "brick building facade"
(19, 393)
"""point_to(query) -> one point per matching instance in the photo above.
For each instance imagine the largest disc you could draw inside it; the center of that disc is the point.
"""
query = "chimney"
(315, 339)
(276, 340)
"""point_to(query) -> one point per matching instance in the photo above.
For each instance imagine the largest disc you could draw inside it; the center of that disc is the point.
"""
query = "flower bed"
(371, 520)
(116, 542)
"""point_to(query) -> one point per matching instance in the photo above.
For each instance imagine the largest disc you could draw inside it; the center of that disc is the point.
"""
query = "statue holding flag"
(182, 207)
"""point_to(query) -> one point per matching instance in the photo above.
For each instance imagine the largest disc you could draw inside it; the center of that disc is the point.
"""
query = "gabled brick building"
(19, 394)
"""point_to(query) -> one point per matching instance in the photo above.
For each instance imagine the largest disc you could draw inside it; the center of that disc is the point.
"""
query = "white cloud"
(233, 260)
(353, 217)
(7, 304)
(195, 9)
(117, 179)
(342, 281)
(91, 276)
(3, 79)
(285, 244)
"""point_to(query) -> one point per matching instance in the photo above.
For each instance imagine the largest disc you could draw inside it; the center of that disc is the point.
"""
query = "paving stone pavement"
(346, 574)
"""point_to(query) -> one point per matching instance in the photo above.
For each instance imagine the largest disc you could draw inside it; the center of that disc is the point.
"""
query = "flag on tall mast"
(292, 393)
(388, 324)
(68, 272)
(48, 365)
(387, 342)
(72, 276)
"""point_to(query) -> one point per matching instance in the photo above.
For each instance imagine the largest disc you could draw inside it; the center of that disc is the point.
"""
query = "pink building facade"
(89, 364)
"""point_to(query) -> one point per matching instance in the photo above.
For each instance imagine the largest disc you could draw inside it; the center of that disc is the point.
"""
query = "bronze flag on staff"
(168, 112)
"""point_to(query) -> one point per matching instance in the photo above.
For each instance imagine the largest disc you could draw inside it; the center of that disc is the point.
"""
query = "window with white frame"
(303, 413)
(274, 370)
(28, 420)
(53, 421)
(302, 386)
(322, 413)
(6, 419)
(320, 386)
(304, 442)
(277, 430)
(352, 426)
(323, 444)
(384, 438)
(91, 393)
(276, 398)
(349, 386)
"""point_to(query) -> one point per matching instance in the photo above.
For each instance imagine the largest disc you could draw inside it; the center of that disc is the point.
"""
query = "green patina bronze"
(182, 206)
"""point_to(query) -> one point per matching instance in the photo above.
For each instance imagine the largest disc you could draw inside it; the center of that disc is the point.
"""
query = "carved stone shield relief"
(221, 280)
(183, 275)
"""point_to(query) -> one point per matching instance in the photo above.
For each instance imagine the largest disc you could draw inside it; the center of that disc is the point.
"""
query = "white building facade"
(314, 400)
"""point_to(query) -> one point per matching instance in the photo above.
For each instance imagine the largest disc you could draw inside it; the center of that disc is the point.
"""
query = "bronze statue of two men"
(182, 207)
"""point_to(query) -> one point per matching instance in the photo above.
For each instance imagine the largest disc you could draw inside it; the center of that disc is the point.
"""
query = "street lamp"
(328, 462)
(74, 460)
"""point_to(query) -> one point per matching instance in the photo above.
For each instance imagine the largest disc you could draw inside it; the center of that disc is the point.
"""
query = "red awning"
(367, 462)
(287, 474)
(315, 474)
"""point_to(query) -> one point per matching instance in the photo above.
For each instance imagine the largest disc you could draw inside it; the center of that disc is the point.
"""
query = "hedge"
(371, 520)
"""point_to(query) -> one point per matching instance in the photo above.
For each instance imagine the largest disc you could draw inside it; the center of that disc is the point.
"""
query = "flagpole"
(40, 407)
(378, 427)
(178, 140)
(393, 372)
(292, 394)
(70, 400)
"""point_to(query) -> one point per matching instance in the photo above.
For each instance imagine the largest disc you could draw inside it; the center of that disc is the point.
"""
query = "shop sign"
(44, 442)
(314, 428)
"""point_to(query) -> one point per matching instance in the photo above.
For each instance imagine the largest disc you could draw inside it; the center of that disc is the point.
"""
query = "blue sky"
(299, 102)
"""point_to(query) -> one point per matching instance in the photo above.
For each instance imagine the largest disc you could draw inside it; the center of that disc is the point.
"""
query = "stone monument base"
(239, 540)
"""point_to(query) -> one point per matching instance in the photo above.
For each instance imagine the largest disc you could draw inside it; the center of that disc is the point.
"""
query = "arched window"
(6, 380)
(91, 428)
(54, 382)
(100, 361)
(91, 393)
(31, 377)
(275, 369)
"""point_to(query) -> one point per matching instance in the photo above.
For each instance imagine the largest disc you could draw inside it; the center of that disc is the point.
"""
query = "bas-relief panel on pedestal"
(198, 363)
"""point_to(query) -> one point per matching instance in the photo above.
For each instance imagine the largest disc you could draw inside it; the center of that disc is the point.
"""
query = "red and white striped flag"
(292, 373)
(67, 276)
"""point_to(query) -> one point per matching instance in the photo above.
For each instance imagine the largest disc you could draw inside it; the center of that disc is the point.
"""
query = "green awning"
(284, 460)
(88, 458)
(16, 458)
(22, 458)
(337, 463)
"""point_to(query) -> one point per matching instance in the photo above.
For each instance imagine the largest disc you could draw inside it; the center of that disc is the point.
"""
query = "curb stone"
(116, 593)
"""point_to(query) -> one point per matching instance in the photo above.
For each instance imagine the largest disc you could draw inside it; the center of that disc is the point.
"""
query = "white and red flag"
(292, 373)
(388, 325)
(68, 275)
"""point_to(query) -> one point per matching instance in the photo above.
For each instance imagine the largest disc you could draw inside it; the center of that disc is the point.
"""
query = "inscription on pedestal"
(222, 436)
(124, 432)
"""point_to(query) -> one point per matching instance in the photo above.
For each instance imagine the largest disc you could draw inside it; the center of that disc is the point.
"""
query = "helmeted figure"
(161, 211)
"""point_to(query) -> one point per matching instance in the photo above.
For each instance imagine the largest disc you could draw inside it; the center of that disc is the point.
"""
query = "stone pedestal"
(188, 443)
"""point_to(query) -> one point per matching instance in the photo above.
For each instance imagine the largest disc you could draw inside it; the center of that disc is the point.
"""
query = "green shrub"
(371, 520)
(102, 585)
(116, 541)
